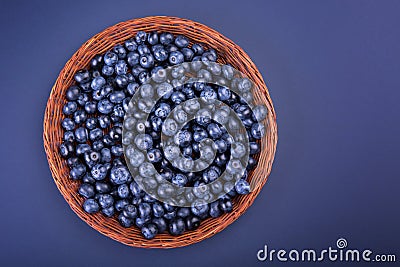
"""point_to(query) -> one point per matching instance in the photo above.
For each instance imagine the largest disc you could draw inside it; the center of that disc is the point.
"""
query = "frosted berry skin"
(94, 110)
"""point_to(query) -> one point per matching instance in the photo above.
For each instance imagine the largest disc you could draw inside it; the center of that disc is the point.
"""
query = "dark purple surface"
(333, 72)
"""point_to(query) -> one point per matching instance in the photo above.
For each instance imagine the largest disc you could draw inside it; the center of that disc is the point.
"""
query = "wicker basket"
(100, 43)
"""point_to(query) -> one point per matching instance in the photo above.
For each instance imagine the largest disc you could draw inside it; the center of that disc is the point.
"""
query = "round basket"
(228, 52)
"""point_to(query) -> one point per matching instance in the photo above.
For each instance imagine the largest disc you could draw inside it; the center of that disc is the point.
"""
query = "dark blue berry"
(192, 222)
(86, 190)
(166, 38)
(181, 41)
(77, 172)
(125, 222)
(108, 212)
(96, 62)
(70, 107)
(130, 45)
(140, 37)
(176, 226)
(68, 124)
(176, 58)
(91, 206)
(99, 172)
(110, 58)
(242, 187)
(149, 231)
(120, 51)
(130, 211)
(73, 93)
(160, 223)
(119, 175)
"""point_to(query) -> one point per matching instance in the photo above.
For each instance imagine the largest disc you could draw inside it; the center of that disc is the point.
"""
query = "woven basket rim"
(105, 40)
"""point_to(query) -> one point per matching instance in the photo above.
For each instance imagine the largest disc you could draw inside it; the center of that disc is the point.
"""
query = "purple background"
(333, 71)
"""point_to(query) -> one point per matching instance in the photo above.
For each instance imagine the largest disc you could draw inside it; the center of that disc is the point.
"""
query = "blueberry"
(120, 51)
(143, 141)
(177, 97)
(225, 205)
(176, 58)
(144, 210)
(97, 83)
(176, 226)
(73, 93)
(181, 41)
(96, 62)
(91, 158)
(99, 172)
(107, 70)
(242, 187)
(154, 155)
(91, 206)
(140, 222)
(108, 212)
(192, 222)
(82, 148)
(77, 172)
(66, 149)
(143, 49)
(70, 107)
(211, 174)
(214, 130)
(105, 155)
(117, 150)
(224, 93)
(115, 133)
(215, 210)
(130, 45)
(121, 67)
(110, 58)
(82, 99)
(257, 130)
(95, 134)
(200, 208)
(69, 136)
(183, 212)
(166, 38)
(82, 76)
(130, 211)
(171, 48)
(252, 163)
(254, 148)
(208, 95)
(152, 38)
(160, 223)
(183, 138)
(198, 49)
(140, 37)
(68, 124)
(149, 231)
(188, 53)
(200, 135)
(124, 221)
(179, 180)
(117, 97)
(119, 175)
(121, 81)
(106, 200)
(158, 210)
(121, 204)
(160, 53)
(81, 135)
(105, 106)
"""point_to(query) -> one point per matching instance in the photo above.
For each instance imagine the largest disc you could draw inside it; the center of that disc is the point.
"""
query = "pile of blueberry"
(94, 121)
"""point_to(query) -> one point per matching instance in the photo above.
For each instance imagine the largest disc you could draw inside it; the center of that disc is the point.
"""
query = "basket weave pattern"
(228, 53)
